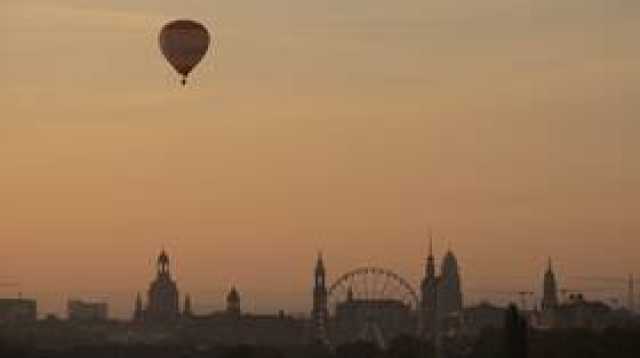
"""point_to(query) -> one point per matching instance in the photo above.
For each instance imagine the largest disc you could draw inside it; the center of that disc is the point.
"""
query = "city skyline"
(508, 126)
(614, 291)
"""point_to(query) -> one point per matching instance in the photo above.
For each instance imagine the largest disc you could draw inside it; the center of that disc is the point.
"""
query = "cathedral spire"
(431, 266)
(233, 302)
(320, 309)
(320, 263)
(550, 288)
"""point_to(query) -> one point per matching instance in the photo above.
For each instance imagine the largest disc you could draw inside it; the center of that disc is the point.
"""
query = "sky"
(508, 127)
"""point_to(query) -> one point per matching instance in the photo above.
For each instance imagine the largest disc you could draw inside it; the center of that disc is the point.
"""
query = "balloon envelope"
(184, 43)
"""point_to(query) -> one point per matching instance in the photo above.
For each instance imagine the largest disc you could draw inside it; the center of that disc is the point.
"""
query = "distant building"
(233, 302)
(550, 289)
(18, 310)
(580, 313)
(162, 297)
(577, 311)
(428, 301)
(550, 302)
(484, 315)
(320, 312)
(230, 326)
(441, 296)
(78, 310)
(449, 301)
(354, 320)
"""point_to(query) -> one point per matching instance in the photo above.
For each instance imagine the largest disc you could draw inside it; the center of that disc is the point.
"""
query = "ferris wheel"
(372, 284)
(371, 304)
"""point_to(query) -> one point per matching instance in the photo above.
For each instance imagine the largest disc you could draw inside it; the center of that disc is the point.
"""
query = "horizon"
(614, 293)
(509, 127)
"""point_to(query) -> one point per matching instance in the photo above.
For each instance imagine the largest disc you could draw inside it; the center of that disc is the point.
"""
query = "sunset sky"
(510, 127)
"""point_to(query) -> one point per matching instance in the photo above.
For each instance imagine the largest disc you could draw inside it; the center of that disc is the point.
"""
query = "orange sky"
(508, 126)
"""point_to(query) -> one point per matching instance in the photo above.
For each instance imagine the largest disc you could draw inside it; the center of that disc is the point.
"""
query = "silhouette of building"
(368, 304)
(579, 312)
(161, 319)
(550, 301)
(162, 297)
(482, 316)
(550, 289)
(441, 296)
(429, 296)
(18, 310)
(319, 314)
(377, 321)
(233, 302)
(78, 310)
(449, 292)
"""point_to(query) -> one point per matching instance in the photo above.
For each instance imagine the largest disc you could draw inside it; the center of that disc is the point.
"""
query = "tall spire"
(320, 263)
(550, 288)
(320, 309)
(233, 302)
(431, 266)
(428, 296)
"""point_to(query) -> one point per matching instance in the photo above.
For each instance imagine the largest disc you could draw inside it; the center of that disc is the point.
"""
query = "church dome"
(163, 283)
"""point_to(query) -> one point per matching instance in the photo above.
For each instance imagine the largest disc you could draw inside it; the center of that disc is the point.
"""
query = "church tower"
(428, 300)
(320, 312)
(449, 295)
(550, 290)
(163, 299)
(549, 297)
(233, 302)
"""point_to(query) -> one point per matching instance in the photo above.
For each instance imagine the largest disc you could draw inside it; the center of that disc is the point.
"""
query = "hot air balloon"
(184, 43)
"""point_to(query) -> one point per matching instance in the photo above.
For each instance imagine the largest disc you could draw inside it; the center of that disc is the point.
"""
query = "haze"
(508, 126)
